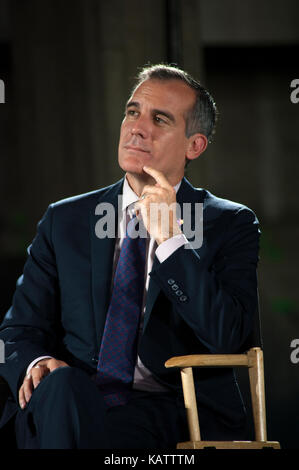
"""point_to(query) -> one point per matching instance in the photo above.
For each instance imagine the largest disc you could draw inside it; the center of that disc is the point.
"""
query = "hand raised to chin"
(157, 207)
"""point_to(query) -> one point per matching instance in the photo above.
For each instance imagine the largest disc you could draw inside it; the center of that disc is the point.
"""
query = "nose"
(141, 128)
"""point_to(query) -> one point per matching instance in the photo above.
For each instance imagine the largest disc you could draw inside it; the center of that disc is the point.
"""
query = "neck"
(137, 182)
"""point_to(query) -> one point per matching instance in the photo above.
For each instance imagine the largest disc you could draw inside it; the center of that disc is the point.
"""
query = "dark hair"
(202, 116)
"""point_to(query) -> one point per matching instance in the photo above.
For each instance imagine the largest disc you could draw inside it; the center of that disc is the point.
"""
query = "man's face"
(153, 130)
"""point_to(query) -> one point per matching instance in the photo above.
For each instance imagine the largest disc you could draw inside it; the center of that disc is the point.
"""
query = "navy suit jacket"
(60, 304)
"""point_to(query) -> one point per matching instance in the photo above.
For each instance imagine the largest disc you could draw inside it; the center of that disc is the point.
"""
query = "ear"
(197, 144)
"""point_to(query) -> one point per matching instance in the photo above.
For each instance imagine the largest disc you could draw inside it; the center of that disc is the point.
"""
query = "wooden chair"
(253, 360)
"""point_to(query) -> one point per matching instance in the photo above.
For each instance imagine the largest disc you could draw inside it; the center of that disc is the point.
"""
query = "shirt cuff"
(168, 247)
(35, 361)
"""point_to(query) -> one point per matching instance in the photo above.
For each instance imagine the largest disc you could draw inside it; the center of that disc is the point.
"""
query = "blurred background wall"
(68, 68)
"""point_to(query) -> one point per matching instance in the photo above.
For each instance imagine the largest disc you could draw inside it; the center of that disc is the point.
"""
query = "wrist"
(163, 237)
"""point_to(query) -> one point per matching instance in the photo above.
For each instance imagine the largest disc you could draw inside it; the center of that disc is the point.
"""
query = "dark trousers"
(66, 411)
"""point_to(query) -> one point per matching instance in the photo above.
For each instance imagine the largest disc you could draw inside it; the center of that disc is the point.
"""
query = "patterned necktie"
(118, 353)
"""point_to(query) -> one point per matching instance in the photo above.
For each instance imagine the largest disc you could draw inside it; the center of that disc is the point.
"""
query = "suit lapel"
(188, 194)
(102, 252)
(187, 198)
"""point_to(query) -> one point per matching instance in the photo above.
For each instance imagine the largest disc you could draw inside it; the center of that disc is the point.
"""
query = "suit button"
(171, 281)
(174, 286)
(183, 298)
(179, 292)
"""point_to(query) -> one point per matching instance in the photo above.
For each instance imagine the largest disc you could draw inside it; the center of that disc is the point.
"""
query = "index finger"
(157, 175)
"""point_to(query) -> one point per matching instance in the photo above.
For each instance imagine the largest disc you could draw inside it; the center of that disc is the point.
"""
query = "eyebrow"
(167, 114)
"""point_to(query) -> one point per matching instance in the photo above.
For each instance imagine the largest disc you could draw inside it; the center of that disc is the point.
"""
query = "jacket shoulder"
(88, 198)
(218, 205)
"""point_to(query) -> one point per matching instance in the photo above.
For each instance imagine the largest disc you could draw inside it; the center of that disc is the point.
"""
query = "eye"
(159, 120)
(131, 112)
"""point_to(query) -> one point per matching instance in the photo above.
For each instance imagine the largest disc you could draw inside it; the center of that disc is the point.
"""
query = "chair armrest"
(209, 360)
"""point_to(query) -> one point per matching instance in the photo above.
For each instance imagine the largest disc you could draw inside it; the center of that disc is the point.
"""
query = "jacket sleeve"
(28, 329)
(215, 290)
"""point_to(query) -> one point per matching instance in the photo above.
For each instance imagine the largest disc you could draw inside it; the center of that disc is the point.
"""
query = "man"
(60, 346)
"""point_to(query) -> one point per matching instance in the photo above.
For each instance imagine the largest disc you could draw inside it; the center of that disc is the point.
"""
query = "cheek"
(125, 127)
(176, 144)
(123, 137)
(122, 131)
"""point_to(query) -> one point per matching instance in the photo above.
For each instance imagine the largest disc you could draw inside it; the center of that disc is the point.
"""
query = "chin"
(131, 165)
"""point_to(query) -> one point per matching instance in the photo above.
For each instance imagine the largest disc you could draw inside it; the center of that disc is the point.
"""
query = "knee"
(65, 377)
(63, 381)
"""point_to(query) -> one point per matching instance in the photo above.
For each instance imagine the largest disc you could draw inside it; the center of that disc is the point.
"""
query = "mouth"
(136, 149)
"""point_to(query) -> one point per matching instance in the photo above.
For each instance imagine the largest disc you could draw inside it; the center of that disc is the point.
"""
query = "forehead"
(172, 95)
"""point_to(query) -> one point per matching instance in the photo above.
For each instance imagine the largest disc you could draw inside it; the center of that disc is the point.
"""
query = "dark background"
(68, 67)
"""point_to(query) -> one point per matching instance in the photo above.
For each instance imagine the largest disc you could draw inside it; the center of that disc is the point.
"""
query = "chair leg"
(257, 386)
(190, 403)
